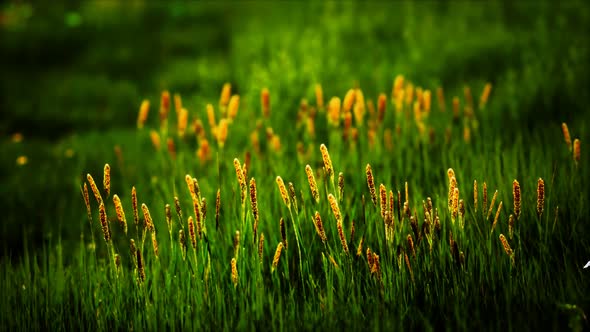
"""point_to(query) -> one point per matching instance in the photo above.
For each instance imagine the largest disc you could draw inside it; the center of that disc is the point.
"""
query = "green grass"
(57, 270)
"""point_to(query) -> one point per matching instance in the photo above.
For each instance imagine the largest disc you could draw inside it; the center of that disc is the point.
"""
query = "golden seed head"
(241, 180)
(237, 244)
(319, 96)
(149, 224)
(327, 161)
(265, 102)
(483, 100)
(461, 209)
(319, 227)
(222, 132)
(359, 249)
(277, 256)
(485, 198)
(177, 102)
(94, 188)
(517, 198)
(427, 101)
(383, 201)
(407, 193)
(120, 212)
(225, 94)
(511, 226)
(143, 113)
(492, 204)
(283, 191)
(211, 116)
(134, 203)
(497, 216)
(450, 173)
(107, 179)
(234, 272)
(164, 105)
(182, 121)
(232, 108)
(342, 237)
(312, 183)
(341, 186)
(455, 206)
(371, 183)
(452, 186)
(540, 196)
(506, 245)
(348, 101)
(293, 195)
(566, 136)
(334, 111)
(335, 208)
(577, 150)
(155, 138)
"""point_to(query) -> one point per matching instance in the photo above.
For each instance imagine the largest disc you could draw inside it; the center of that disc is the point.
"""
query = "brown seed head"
(134, 203)
(319, 227)
(293, 195)
(191, 232)
(341, 186)
(164, 105)
(171, 148)
(475, 194)
(511, 226)
(485, 198)
(411, 245)
(506, 245)
(182, 241)
(104, 222)
(241, 180)
(383, 199)
(371, 183)
(254, 201)
(517, 198)
(237, 244)
(540, 196)
(87, 203)
(566, 136)
(217, 207)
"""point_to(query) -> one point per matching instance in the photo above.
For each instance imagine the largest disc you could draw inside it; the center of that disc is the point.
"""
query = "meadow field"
(294, 166)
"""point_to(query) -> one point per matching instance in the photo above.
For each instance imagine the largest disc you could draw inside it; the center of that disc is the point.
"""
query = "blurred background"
(74, 75)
